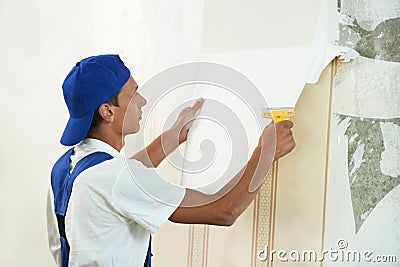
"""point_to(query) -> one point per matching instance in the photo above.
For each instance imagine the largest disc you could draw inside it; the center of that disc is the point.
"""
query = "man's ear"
(106, 111)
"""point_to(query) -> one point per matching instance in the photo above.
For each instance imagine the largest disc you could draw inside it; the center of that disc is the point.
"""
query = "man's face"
(129, 112)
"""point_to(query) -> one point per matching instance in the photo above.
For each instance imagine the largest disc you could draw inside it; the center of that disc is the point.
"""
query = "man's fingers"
(285, 124)
(284, 138)
(197, 105)
(193, 109)
(189, 112)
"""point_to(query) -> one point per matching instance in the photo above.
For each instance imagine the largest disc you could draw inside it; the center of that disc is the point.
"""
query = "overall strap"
(147, 262)
(61, 182)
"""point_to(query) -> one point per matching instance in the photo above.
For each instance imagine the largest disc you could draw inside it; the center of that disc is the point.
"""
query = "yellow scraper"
(278, 114)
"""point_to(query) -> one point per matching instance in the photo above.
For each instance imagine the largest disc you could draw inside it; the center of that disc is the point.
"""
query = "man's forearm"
(169, 140)
(225, 206)
(246, 184)
(248, 181)
(156, 151)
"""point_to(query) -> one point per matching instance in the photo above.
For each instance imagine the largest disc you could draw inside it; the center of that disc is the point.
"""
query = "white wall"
(41, 40)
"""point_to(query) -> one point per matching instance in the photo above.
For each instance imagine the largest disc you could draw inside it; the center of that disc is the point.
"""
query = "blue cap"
(90, 83)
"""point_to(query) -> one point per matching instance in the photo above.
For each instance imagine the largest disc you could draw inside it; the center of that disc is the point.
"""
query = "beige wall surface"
(302, 174)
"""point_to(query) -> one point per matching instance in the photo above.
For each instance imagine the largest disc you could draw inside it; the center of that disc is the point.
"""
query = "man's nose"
(143, 101)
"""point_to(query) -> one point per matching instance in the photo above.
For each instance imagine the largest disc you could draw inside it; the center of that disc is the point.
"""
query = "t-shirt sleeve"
(52, 229)
(141, 194)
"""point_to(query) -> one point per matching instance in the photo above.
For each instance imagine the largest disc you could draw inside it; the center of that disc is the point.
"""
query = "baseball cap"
(91, 82)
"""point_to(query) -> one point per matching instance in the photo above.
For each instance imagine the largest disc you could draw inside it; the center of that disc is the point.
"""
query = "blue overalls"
(62, 181)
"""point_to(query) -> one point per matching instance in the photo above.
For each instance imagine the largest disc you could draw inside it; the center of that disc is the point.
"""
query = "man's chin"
(132, 131)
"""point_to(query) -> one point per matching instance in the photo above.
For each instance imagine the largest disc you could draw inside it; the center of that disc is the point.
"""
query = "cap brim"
(75, 130)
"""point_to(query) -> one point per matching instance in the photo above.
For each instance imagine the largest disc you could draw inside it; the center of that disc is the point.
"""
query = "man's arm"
(153, 154)
(229, 206)
(168, 141)
(221, 208)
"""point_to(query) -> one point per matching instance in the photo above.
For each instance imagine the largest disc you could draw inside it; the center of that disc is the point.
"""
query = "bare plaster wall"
(364, 176)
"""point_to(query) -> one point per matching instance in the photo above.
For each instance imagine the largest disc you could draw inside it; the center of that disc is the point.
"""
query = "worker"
(99, 212)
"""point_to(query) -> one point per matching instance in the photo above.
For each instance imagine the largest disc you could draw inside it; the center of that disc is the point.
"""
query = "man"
(107, 217)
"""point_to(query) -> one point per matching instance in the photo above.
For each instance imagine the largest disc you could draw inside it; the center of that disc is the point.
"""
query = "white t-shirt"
(114, 206)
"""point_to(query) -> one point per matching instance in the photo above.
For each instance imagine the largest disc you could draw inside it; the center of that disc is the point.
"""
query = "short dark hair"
(96, 116)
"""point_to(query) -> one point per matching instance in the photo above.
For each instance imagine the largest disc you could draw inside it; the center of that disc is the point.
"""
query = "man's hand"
(284, 142)
(185, 120)
(169, 140)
